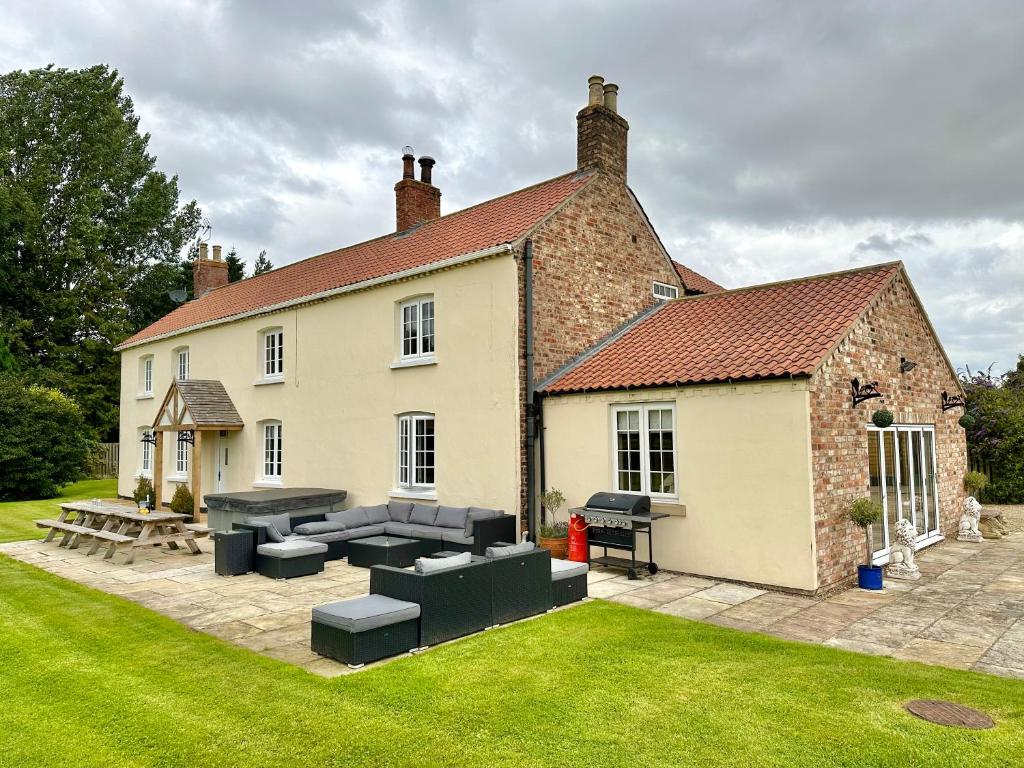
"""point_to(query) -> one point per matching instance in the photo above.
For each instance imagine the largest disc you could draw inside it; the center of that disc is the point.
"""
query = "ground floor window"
(146, 462)
(416, 450)
(902, 473)
(272, 453)
(180, 456)
(645, 452)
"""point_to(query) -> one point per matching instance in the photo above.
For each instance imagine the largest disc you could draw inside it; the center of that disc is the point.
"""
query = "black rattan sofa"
(520, 584)
(437, 528)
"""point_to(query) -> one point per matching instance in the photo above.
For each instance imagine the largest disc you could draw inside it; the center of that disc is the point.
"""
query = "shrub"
(865, 512)
(44, 440)
(143, 491)
(882, 418)
(974, 483)
(182, 501)
(995, 431)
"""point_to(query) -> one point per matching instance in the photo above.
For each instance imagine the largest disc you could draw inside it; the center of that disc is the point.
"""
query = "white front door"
(222, 464)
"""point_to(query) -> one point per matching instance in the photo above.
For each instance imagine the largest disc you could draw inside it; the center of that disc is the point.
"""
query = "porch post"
(158, 469)
(197, 474)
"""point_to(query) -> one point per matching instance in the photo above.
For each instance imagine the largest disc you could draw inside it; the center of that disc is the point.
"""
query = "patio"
(967, 610)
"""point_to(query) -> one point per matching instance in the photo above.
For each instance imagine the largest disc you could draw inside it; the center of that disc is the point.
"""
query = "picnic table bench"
(118, 527)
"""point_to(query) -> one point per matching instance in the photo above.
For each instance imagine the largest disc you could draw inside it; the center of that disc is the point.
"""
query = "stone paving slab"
(966, 611)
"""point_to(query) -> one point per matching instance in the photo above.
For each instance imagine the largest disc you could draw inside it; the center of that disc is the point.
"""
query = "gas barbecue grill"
(613, 522)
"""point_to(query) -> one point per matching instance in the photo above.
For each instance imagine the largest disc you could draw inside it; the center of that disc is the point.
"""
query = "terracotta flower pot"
(557, 547)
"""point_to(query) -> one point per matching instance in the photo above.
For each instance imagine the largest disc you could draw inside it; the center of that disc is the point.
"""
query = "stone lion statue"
(901, 552)
(969, 520)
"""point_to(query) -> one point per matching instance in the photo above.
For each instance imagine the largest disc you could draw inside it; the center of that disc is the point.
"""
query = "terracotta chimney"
(208, 273)
(601, 132)
(416, 201)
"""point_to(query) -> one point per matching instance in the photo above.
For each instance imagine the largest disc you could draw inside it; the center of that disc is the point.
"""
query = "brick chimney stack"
(416, 201)
(601, 132)
(208, 273)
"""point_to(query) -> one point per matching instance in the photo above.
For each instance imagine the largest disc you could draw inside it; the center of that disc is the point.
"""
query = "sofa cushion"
(451, 517)
(509, 551)
(378, 514)
(567, 569)
(352, 518)
(363, 613)
(271, 531)
(429, 532)
(456, 537)
(479, 513)
(286, 550)
(423, 514)
(434, 564)
(398, 529)
(325, 526)
(399, 511)
(348, 534)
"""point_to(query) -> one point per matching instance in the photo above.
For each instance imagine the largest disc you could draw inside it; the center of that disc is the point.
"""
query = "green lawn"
(90, 679)
(16, 516)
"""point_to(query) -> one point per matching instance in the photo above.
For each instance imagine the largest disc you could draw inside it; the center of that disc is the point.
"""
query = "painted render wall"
(745, 507)
(340, 397)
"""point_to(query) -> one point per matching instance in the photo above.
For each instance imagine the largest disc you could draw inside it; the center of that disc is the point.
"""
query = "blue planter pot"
(869, 576)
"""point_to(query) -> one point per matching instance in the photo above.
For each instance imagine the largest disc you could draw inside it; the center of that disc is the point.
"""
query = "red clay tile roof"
(501, 220)
(695, 281)
(766, 331)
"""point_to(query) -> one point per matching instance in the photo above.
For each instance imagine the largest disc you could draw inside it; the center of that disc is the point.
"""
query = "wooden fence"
(109, 454)
(977, 465)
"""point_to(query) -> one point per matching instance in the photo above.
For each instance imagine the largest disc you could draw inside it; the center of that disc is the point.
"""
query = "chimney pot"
(216, 253)
(408, 169)
(426, 164)
(596, 97)
(202, 251)
(611, 97)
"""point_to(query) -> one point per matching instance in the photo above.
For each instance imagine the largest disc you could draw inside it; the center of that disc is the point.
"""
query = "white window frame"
(181, 363)
(271, 452)
(645, 450)
(146, 376)
(668, 292)
(146, 455)
(181, 458)
(271, 369)
(409, 461)
(424, 329)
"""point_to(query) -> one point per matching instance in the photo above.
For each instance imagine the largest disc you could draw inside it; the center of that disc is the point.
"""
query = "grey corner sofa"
(437, 528)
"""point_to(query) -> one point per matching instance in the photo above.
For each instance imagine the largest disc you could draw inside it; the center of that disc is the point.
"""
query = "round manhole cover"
(948, 713)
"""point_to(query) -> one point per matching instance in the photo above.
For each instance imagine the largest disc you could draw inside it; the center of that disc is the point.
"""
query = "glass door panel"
(930, 491)
(901, 471)
(891, 490)
(904, 464)
(875, 480)
(920, 502)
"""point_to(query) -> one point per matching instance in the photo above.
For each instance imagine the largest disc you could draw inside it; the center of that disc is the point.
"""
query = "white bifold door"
(901, 463)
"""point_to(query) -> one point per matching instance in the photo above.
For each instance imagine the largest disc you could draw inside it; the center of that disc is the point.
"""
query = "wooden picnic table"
(118, 526)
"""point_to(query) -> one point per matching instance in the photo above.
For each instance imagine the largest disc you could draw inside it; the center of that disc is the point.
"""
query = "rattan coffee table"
(383, 550)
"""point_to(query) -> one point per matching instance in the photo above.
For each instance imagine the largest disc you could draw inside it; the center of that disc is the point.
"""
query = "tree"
(995, 431)
(45, 440)
(88, 227)
(262, 264)
(236, 267)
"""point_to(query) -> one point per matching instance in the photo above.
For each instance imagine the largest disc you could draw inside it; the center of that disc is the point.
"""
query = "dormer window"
(416, 329)
(664, 291)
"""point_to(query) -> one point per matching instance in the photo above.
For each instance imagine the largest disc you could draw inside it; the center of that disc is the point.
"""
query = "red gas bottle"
(578, 548)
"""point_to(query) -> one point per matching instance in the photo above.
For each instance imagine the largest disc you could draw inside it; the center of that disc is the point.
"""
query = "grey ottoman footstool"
(364, 629)
(287, 559)
(568, 581)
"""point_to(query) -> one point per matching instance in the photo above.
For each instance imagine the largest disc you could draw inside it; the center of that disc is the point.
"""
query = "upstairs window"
(181, 363)
(146, 375)
(416, 450)
(272, 453)
(416, 322)
(645, 455)
(664, 291)
(272, 353)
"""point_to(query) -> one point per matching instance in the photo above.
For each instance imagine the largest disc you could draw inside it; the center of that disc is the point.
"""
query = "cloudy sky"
(768, 139)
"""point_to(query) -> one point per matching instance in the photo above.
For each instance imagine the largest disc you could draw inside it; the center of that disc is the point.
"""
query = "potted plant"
(554, 534)
(974, 483)
(882, 418)
(143, 494)
(865, 513)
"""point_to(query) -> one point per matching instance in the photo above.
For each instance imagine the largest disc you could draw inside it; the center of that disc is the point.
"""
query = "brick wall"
(208, 274)
(415, 202)
(593, 265)
(893, 328)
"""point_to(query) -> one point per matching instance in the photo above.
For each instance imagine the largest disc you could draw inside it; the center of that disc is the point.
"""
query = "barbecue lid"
(626, 503)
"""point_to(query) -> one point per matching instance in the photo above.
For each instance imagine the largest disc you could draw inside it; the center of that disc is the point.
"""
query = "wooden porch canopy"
(190, 408)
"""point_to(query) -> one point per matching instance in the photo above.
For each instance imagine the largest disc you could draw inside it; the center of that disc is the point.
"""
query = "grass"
(90, 679)
(16, 516)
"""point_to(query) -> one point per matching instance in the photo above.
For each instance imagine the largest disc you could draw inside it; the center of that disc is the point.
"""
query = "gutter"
(391, 277)
(531, 394)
